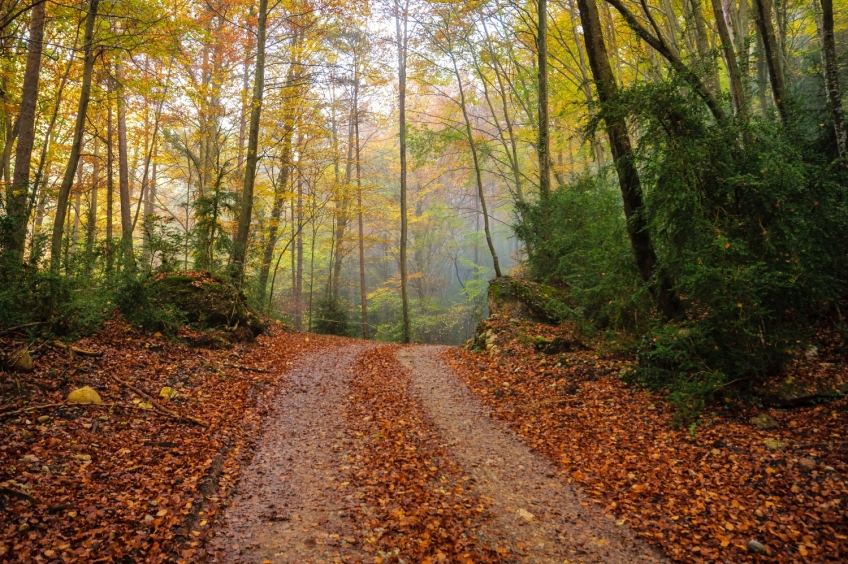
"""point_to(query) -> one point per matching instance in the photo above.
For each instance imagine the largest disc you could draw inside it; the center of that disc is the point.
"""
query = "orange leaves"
(698, 499)
(412, 499)
(119, 483)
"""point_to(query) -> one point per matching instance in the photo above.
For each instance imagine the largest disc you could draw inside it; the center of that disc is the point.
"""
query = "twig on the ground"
(822, 444)
(9, 492)
(57, 405)
(74, 350)
(24, 326)
(157, 407)
(248, 368)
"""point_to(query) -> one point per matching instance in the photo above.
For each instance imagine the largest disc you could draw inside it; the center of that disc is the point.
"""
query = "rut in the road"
(363, 460)
(541, 518)
(288, 508)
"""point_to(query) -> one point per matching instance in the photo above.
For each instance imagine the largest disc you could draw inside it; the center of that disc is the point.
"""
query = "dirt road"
(293, 505)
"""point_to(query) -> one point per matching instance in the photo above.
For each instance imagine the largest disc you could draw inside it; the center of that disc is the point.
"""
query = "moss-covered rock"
(516, 297)
(207, 301)
(85, 394)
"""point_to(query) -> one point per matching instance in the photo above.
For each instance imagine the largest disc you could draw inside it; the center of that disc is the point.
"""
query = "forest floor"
(316, 449)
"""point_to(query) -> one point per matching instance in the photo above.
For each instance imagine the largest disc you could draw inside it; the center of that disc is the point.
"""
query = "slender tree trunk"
(363, 294)
(737, 91)
(77, 208)
(124, 176)
(299, 269)
(19, 189)
(475, 160)
(762, 73)
(245, 214)
(91, 222)
(110, 184)
(401, 18)
(628, 177)
(544, 147)
(772, 55)
(695, 15)
(277, 206)
(76, 144)
(831, 77)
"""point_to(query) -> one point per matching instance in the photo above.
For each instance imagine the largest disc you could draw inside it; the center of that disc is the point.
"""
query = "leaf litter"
(700, 495)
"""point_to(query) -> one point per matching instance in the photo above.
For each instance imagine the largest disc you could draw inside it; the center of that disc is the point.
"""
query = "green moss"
(543, 302)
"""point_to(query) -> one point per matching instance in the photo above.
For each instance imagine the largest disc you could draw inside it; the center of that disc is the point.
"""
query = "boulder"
(207, 301)
(764, 422)
(789, 392)
(84, 395)
(806, 465)
(22, 361)
(517, 298)
(756, 547)
(557, 345)
(774, 444)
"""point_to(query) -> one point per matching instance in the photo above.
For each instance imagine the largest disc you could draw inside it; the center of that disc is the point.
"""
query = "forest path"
(294, 504)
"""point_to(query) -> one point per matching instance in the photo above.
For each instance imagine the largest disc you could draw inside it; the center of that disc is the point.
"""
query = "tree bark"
(110, 182)
(662, 47)
(652, 274)
(363, 294)
(544, 146)
(831, 77)
(19, 189)
(91, 222)
(737, 91)
(124, 176)
(401, 19)
(772, 55)
(76, 144)
(245, 214)
(476, 162)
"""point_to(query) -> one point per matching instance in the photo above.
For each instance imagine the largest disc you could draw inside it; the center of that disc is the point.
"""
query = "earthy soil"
(293, 504)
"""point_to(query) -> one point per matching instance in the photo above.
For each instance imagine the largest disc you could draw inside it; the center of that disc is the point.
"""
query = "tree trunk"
(737, 91)
(772, 55)
(831, 77)
(544, 146)
(124, 176)
(363, 294)
(695, 14)
(628, 177)
(476, 162)
(245, 214)
(110, 183)
(277, 206)
(299, 269)
(91, 222)
(76, 144)
(19, 189)
(406, 330)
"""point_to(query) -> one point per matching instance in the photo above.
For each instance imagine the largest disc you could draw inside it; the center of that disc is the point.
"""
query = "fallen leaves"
(699, 497)
(410, 499)
(113, 480)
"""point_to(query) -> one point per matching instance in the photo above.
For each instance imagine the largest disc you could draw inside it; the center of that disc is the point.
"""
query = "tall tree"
(831, 77)
(772, 52)
(628, 177)
(76, 144)
(544, 147)
(401, 30)
(19, 190)
(124, 174)
(246, 209)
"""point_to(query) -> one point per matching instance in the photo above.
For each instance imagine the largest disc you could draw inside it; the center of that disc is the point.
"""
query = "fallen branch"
(101, 405)
(823, 444)
(24, 326)
(75, 350)
(158, 407)
(9, 492)
(248, 368)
